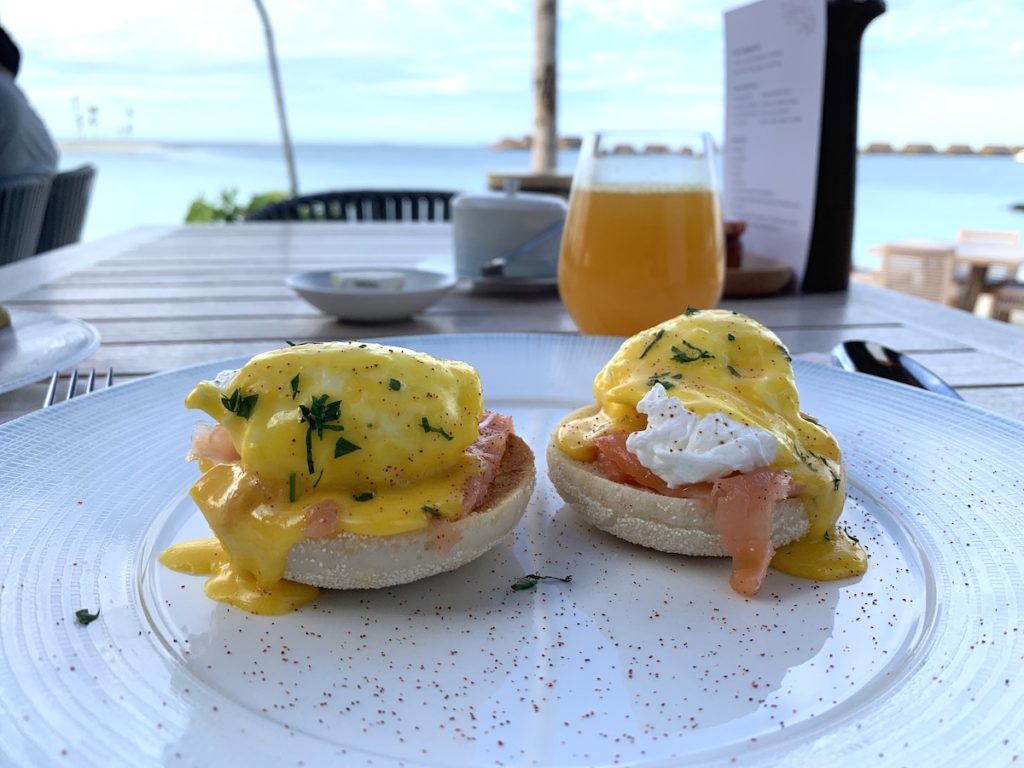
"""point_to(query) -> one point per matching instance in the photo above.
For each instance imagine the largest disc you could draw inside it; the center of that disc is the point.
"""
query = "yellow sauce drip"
(733, 365)
(196, 557)
(821, 559)
(227, 584)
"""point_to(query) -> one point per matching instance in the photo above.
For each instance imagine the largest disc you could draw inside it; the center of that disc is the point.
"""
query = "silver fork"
(72, 391)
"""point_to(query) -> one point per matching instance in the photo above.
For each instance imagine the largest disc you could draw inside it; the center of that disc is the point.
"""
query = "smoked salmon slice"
(488, 449)
(742, 505)
(619, 465)
(212, 443)
(321, 519)
(743, 515)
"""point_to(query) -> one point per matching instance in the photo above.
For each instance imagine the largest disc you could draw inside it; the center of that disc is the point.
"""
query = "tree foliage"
(228, 208)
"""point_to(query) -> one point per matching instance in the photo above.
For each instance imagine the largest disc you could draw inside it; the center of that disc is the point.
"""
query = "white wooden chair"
(997, 277)
(1007, 295)
(1006, 300)
(924, 272)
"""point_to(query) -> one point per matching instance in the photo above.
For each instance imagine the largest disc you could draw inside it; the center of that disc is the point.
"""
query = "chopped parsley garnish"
(364, 496)
(731, 337)
(827, 537)
(785, 352)
(804, 459)
(825, 463)
(394, 385)
(682, 356)
(652, 342)
(691, 311)
(439, 430)
(431, 510)
(319, 415)
(83, 617)
(318, 479)
(532, 579)
(733, 371)
(343, 447)
(291, 487)
(850, 536)
(239, 404)
(663, 379)
(295, 386)
(298, 343)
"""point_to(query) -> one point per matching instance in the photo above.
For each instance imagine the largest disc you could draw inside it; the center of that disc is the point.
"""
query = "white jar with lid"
(489, 226)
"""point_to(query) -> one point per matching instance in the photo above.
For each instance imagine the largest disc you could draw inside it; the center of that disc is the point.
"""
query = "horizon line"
(874, 147)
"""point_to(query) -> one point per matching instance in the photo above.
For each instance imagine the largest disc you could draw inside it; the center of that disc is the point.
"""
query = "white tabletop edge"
(27, 274)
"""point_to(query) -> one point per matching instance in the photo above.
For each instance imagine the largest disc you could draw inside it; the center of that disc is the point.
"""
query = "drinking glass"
(643, 236)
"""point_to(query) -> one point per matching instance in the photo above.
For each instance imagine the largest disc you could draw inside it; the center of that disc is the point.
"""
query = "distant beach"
(109, 145)
(898, 195)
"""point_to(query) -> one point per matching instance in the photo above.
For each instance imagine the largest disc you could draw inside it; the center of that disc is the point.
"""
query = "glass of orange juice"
(643, 236)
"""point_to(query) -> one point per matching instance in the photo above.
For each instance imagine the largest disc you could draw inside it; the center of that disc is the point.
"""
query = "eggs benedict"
(696, 445)
(346, 465)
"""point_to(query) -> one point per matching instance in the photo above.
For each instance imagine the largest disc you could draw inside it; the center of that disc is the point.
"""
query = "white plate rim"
(89, 343)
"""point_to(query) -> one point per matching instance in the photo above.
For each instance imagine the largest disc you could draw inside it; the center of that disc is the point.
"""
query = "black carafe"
(829, 258)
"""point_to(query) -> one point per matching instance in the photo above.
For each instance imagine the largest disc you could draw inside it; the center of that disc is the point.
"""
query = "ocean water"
(897, 196)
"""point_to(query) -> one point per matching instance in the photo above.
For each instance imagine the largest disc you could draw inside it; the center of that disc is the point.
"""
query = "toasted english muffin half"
(351, 561)
(642, 516)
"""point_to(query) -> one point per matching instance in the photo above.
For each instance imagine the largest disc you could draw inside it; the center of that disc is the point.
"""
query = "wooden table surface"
(163, 298)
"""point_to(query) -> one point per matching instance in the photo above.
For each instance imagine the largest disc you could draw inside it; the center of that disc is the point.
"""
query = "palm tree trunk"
(545, 90)
(286, 139)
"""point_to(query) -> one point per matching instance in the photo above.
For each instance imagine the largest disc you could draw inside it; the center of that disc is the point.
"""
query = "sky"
(459, 71)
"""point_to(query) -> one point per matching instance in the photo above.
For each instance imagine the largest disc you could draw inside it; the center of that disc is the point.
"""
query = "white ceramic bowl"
(369, 295)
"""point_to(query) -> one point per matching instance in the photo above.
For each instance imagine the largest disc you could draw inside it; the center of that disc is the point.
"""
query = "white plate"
(645, 659)
(419, 290)
(36, 344)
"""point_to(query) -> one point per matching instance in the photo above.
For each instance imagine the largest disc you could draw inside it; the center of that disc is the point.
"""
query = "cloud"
(653, 15)
(462, 68)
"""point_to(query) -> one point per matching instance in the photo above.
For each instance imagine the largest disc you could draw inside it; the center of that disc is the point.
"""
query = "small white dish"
(405, 292)
(36, 344)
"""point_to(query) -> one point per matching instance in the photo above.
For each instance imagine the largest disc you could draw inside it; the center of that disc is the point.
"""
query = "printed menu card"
(774, 80)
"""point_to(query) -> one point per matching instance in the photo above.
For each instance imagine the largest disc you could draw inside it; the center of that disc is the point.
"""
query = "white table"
(977, 256)
(168, 297)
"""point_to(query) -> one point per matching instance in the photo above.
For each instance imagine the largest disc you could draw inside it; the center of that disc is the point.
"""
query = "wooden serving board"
(759, 276)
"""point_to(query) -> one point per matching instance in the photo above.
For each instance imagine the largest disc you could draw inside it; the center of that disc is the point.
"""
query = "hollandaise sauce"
(716, 361)
(328, 438)
(230, 584)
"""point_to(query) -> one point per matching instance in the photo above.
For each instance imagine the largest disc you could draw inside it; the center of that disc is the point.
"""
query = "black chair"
(66, 208)
(22, 205)
(360, 205)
